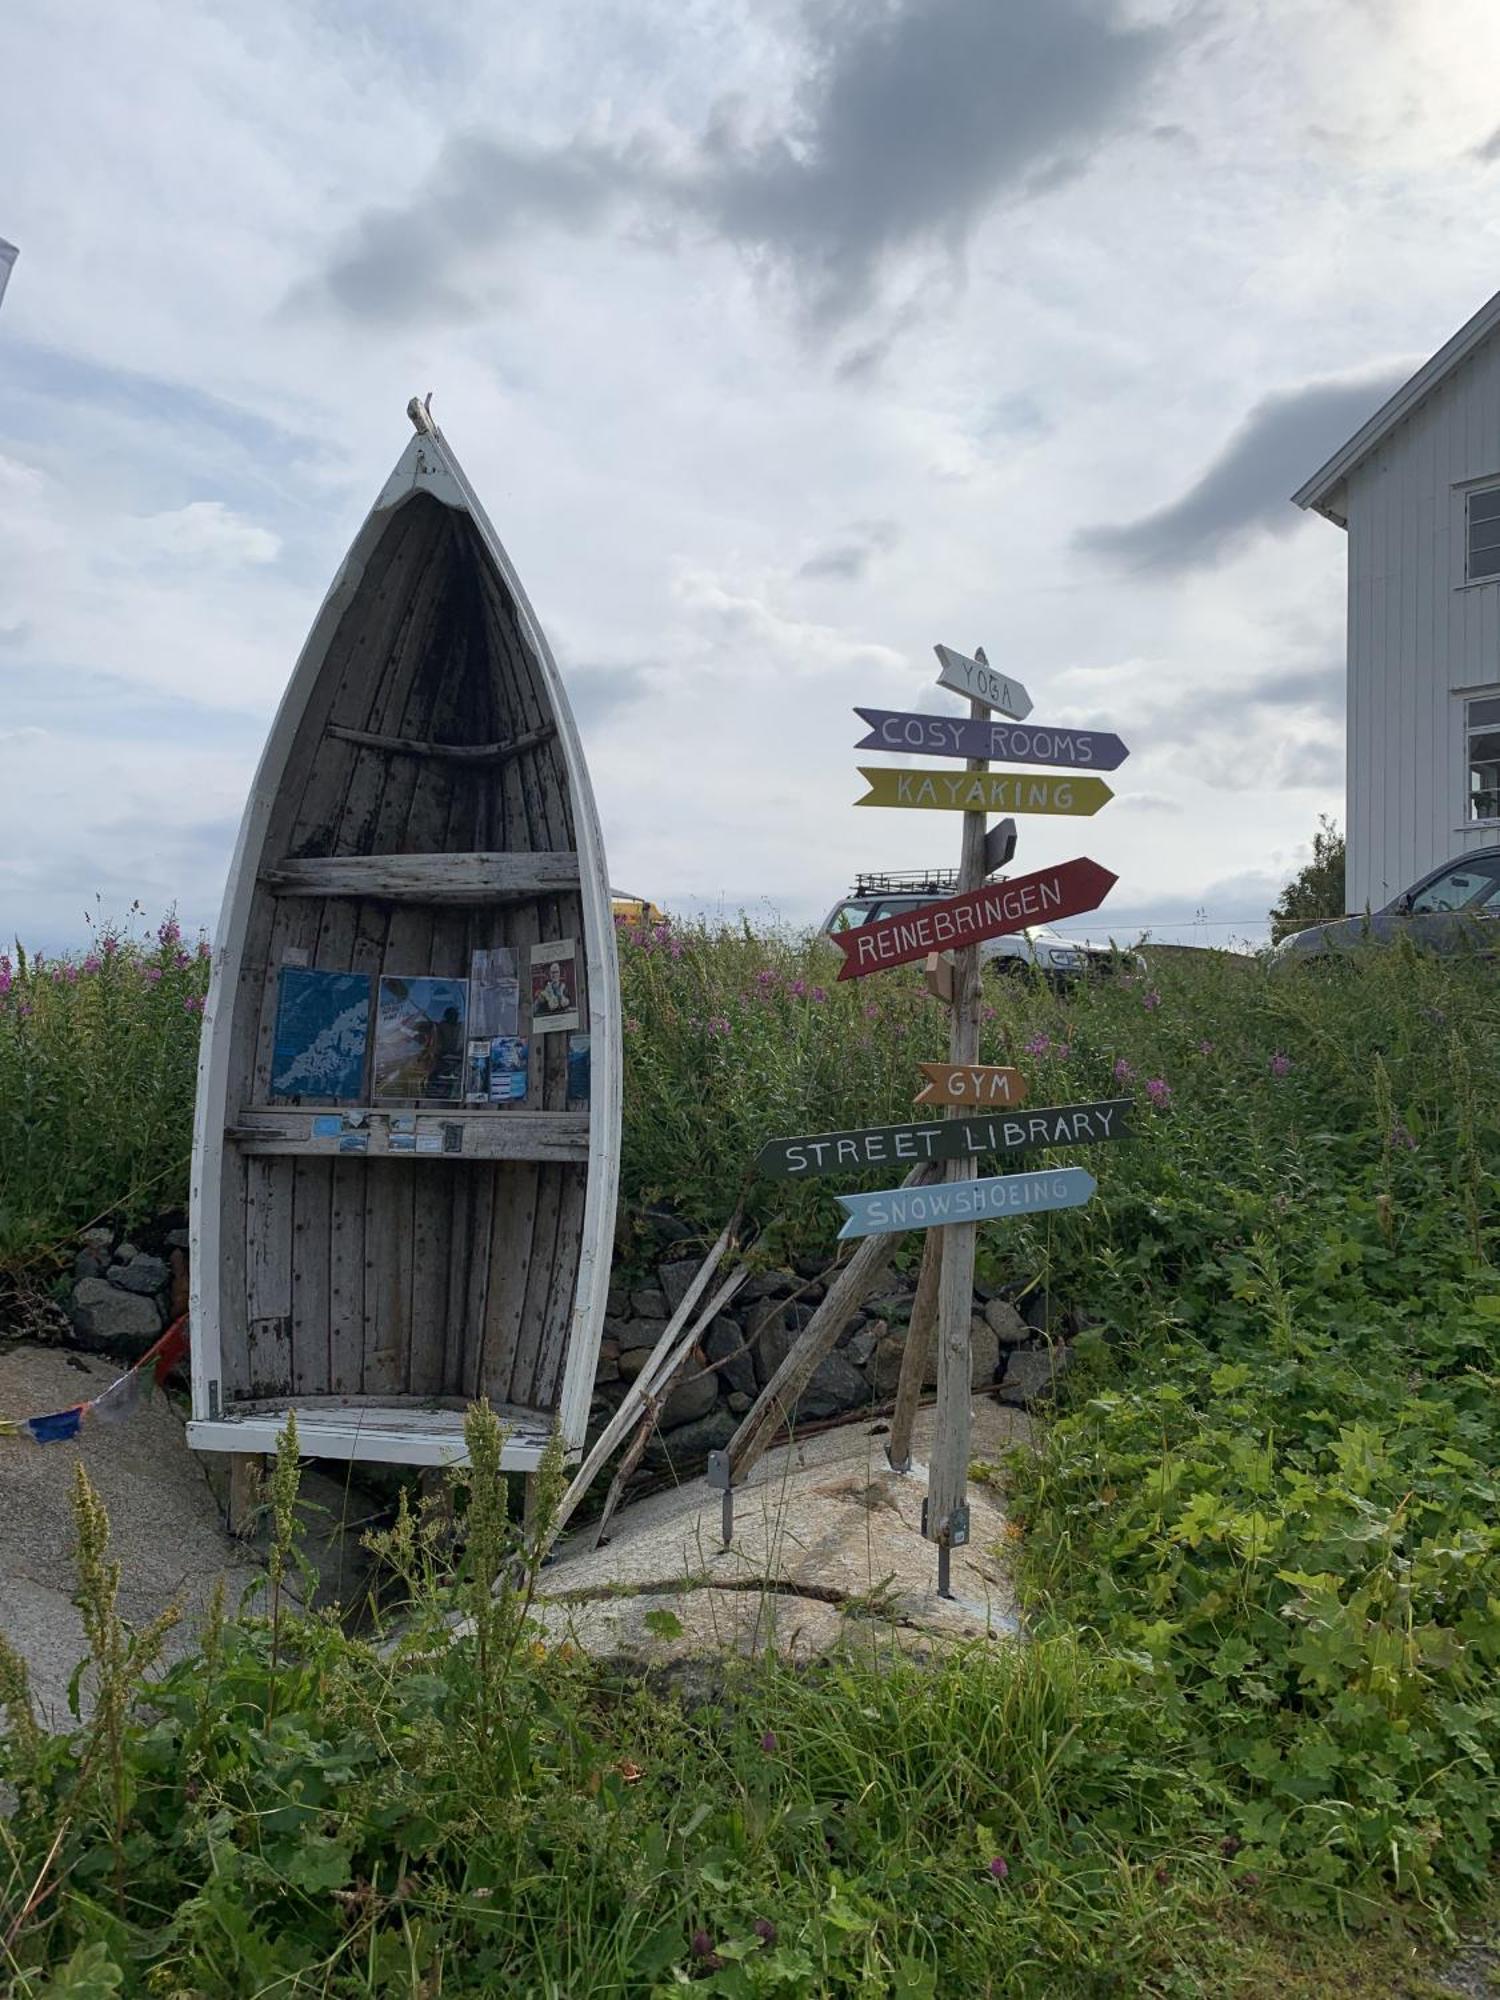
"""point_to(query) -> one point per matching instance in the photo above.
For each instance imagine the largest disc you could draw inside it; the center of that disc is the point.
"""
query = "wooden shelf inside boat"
(426, 878)
(483, 1134)
(393, 1433)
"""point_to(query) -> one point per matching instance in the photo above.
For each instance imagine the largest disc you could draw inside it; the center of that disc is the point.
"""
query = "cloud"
(1244, 491)
(851, 557)
(911, 121)
(204, 531)
(1490, 149)
(597, 692)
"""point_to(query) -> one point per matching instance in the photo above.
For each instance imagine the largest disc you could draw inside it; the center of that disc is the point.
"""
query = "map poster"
(554, 986)
(419, 1038)
(322, 1034)
(494, 994)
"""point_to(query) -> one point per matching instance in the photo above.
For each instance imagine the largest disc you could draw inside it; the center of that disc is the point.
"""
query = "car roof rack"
(914, 884)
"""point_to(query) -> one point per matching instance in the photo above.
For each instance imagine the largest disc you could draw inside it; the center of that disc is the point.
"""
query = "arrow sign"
(970, 1083)
(945, 1139)
(964, 1201)
(983, 791)
(999, 845)
(990, 742)
(1046, 897)
(979, 681)
(937, 974)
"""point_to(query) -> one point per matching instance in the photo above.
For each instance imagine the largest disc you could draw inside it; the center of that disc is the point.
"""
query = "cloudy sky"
(782, 341)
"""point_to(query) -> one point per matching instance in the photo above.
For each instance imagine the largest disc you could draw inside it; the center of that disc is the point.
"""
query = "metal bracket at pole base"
(904, 1466)
(955, 1530)
(719, 1476)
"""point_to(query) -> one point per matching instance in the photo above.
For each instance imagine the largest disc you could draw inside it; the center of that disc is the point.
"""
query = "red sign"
(1050, 894)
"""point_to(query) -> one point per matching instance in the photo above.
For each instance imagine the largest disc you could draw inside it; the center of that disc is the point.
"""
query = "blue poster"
(322, 1034)
(579, 1063)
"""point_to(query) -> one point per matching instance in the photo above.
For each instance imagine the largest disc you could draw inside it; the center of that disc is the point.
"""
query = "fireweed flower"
(1124, 1071)
(205, 949)
(1062, 1051)
(1279, 1064)
(766, 979)
(192, 1004)
(151, 974)
(169, 933)
(1158, 1090)
(765, 1930)
(999, 1867)
(1205, 1048)
(798, 989)
(819, 994)
(718, 1024)
(768, 1742)
(1150, 1001)
(872, 1012)
(1038, 1045)
(1401, 1137)
(93, 963)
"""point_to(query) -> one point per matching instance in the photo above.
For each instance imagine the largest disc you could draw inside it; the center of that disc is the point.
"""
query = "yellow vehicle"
(635, 909)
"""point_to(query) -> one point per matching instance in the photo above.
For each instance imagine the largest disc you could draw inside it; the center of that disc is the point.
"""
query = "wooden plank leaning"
(661, 1390)
(916, 1354)
(731, 1467)
(619, 1424)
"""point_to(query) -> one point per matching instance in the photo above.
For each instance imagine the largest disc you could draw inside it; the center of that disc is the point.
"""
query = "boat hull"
(423, 797)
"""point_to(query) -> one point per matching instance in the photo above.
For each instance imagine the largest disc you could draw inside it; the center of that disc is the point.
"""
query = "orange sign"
(970, 1083)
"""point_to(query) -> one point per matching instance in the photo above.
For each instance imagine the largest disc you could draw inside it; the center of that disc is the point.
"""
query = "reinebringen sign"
(1045, 897)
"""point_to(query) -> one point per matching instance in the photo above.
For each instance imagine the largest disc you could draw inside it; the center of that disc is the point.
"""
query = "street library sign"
(944, 1139)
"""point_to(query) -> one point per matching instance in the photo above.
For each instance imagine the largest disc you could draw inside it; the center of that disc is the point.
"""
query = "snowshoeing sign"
(965, 1201)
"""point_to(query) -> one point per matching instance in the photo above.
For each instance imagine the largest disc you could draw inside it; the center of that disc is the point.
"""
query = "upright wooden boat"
(370, 1259)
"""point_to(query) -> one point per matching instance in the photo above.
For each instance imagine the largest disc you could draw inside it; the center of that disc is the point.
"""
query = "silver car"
(1455, 908)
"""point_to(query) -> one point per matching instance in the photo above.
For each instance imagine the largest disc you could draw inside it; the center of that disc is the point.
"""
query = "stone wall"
(125, 1291)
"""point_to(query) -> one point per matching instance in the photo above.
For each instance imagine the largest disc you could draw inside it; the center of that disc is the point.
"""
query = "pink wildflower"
(1124, 1071)
(798, 989)
(766, 979)
(205, 949)
(192, 1004)
(1062, 1051)
(1151, 1001)
(93, 963)
(872, 1012)
(1038, 1045)
(110, 946)
(768, 1742)
(1280, 1064)
(1205, 1048)
(1158, 1090)
(169, 933)
(819, 994)
(718, 1024)
(999, 1867)
(151, 974)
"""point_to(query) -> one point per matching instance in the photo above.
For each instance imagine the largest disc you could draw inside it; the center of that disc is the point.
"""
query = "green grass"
(1257, 1545)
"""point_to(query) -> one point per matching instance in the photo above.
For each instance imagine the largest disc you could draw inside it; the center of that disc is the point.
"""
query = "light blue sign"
(965, 1201)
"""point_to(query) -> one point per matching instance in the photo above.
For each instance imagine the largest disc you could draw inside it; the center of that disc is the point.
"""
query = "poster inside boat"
(406, 1144)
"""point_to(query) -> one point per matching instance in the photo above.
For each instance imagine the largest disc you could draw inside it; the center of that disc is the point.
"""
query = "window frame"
(1481, 490)
(1471, 729)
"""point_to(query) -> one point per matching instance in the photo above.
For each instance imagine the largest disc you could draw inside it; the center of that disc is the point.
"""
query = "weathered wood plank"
(456, 753)
(264, 1131)
(346, 1277)
(310, 1253)
(267, 1226)
(424, 878)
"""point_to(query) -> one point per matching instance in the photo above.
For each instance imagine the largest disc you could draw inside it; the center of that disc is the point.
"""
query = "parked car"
(1455, 908)
(1047, 951)
(634, 909)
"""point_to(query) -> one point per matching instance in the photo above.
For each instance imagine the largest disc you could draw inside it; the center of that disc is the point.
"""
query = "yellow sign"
(970, 1083)
(985, 791)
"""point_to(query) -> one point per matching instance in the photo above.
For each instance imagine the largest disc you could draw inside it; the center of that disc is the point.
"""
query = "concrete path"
(824, 1514)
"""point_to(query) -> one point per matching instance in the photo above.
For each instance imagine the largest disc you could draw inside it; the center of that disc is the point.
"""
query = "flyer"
(554, 986)
(419, 1038)
(508, 1070)
(494, 994)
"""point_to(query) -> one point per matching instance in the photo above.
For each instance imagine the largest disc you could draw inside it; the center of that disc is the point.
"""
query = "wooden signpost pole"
(945, 1513)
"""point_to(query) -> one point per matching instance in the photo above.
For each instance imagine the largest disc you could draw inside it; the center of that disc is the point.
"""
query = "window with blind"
(1484, 534)
(1482, 727)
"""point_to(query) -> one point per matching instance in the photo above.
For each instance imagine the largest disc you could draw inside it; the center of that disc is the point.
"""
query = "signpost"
(897, 729)
(969, 1083)
(1045, 897)
(967, 1201)
(978, 680)
(945, 1138)
(983, 791)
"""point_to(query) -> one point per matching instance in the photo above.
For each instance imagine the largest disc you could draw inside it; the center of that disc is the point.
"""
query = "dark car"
(1455, 908)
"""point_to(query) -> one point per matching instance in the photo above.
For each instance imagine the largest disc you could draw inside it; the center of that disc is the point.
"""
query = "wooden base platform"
(389, 1434)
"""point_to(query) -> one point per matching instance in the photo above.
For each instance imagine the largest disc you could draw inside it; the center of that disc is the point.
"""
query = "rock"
(608, 1369)
(666, 1227)
(851, 1327)
(811, 1294)
(686, 1450)
(809, 1267)
(108, 1321)
(675, 1279)
(767, 1285)
(617, 1300)
(984, 1353)
(739, 1401)
(693, 1397)
(1032, 1374)
(179, 1293)
(864, 1343)
(91, 1263)
(143, 1274)
(1038, 1311)
(836, 1386)
(1006, 1323)
(885, 1368)
(726, 1342)
(770, 1343)
(893, 1307)
(127, 1252)
(650, 1304)
(97, 1239)
(632, 1361)
(177, 1239)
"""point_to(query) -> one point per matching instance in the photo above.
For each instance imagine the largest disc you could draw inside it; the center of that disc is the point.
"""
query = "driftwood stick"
(661, 1387)
(779, 1397)
(619, 1424)
(916, 1354)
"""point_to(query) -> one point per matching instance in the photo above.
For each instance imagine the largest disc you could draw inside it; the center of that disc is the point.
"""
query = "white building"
(1418, 490)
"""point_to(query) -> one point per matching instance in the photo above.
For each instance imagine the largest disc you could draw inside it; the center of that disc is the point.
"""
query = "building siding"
(1419, 637)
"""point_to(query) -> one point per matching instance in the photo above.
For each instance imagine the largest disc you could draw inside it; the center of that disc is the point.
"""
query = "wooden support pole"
(945, 1519)
(779, 1397)
(916, 1354)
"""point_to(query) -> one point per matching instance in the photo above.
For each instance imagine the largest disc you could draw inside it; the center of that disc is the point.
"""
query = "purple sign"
(997, 741)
